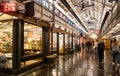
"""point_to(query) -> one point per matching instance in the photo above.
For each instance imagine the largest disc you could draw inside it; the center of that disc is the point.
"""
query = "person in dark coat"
(101, 47)
(89, 46)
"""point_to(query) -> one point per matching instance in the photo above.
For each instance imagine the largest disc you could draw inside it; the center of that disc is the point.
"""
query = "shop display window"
(32, 39)
(54, 41)
(32, 43)
(61, 50)
(6, 40)
(50, 42)
(70, 42)
(73, 42)
(66, 41)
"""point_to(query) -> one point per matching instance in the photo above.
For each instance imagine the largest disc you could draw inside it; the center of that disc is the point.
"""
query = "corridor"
(77, 64)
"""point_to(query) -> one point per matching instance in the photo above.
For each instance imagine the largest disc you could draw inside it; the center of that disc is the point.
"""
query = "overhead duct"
(104, 20)
(73, 13)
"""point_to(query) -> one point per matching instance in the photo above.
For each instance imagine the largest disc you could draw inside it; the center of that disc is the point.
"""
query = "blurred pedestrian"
(115, 48)
(101, 47)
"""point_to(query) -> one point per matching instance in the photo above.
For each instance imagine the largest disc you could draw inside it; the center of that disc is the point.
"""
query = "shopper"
(89, 46)
(101, 47)
(115, 48)
(96, 47)
(3, 61)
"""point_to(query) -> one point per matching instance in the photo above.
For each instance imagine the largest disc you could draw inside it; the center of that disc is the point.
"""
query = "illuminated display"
(11, 6)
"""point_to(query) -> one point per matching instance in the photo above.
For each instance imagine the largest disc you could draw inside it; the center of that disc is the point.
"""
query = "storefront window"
(54, 41)
(6, 33)
(32, 44)
(70, 42)
(66, 41)
(32, 39)
(61, 50)
(73, 42)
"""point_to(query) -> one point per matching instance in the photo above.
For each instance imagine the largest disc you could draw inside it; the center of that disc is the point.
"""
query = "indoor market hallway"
(77, 64)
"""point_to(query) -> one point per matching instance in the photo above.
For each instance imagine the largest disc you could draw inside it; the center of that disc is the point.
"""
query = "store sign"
(9, 6)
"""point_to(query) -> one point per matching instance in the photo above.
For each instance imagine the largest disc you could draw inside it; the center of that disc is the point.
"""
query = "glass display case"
(61, 49)
(54, 41)
(6, 40)
(66, 42)
(32, 39)
(70, 38)
(74, 42)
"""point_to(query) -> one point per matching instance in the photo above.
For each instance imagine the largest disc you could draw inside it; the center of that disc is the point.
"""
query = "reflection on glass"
(54, 41)
(6, 43)
(61, 50)
(70, 42)
(66, 41)
(32, 39)
(73, 42)
(32, 42)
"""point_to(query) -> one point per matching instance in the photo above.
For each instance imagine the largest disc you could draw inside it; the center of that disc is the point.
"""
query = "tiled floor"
(77, 64)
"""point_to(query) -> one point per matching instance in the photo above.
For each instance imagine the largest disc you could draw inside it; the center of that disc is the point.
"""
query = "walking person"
(89, 46)
(115, 48)
(96, 47)
(101, 47)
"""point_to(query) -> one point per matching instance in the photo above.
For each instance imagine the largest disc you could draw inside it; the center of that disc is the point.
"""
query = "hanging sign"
(9, 6)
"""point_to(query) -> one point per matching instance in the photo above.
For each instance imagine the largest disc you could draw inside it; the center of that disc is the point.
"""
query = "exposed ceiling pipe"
(105, 18)
(73, 13)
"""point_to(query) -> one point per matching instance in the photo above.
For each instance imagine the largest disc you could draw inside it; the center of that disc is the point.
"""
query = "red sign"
(11, 6)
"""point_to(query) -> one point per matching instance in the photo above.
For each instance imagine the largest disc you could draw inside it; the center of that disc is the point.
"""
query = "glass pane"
(32, 39)
(73, 42)
(66, 41)
(32, 43)
(6, 43)
(54, 41)
(61, 50)
(70, 42)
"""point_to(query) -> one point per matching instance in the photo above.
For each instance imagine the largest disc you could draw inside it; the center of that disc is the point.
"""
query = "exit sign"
(10, 6)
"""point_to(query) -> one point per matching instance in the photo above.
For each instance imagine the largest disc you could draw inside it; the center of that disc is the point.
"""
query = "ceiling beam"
(73, 13)
(102, 4)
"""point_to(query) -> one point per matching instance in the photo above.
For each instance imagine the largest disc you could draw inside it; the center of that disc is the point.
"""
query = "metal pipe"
(73, 13)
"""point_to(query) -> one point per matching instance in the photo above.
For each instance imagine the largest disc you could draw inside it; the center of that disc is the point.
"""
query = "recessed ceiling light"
(118, 25)
(0, 23)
